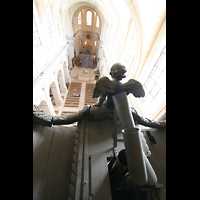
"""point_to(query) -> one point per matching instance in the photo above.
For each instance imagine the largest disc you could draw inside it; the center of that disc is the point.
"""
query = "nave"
(75, 43)
(79, 95)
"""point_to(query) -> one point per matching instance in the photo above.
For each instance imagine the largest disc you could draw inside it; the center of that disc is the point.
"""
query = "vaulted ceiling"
(148, 15)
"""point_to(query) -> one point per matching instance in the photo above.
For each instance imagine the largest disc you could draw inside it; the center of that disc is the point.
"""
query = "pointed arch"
(44, 106)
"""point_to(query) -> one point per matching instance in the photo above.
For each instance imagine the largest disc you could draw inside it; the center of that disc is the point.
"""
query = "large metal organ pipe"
(140, 170)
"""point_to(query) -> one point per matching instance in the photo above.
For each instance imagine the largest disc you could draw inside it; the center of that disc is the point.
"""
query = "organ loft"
(125, 172)
(99, 108)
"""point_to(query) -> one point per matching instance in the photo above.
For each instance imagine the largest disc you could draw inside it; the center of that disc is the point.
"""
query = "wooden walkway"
(96, 142)
(53, 151)
(71, 163)
(88, 94)
(73, 95)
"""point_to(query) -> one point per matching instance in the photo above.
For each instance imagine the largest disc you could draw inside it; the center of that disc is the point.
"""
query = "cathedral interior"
(75, 44)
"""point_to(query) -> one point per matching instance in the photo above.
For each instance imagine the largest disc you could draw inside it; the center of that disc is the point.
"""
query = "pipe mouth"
(117, 181)
(122, 157)
(130, 130)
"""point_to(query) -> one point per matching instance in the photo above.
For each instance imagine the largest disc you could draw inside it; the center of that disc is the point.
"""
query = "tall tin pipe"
(135, 156)
(120, 164)
(123, 110)
(152, 178)
(132, 140)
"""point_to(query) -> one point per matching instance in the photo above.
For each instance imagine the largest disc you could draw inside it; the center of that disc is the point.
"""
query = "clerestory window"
(155, 85)
(79, 18)
(97, 25)
(58, 24)
(36, 37)
(89, 18)
(48, 26)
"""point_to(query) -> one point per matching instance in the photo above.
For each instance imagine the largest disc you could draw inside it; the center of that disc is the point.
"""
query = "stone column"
(62, 82)
(70, 50)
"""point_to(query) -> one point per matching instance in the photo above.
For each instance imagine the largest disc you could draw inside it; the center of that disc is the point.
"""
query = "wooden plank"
(56, 177)
(51, 166)
(86, 154)
(98, 146)
(71, 106)
(37, 132)
(70, 93)
(72, 102)
(75, 90)
(80, 162)
(100, 140)
(100, 184)
(71, 98)
(160, 147)
(67, 113)
(40, 159)
(62, 180)
(90, 100)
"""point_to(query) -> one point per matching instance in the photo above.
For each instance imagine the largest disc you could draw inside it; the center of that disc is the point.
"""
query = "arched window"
(129, 55)
(155, 85)
(79, 18)
(48, 26)
(89, 18)
(36, 37)
(58, 24)
(97, 25)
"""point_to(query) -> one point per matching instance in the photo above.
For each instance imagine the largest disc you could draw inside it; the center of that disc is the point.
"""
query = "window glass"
(97, 21)
(89, 18)
(49, 30)
(130, 50)
(79, 18)
(58, 24)
(155, 85)
(36, 37)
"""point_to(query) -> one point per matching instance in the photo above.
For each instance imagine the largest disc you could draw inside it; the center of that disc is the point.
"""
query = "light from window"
(58, 25)
(89, 18)
(49, 30)
(155, 85)
(97, 21)
(79, 18)
(36, 37)
(131, 50)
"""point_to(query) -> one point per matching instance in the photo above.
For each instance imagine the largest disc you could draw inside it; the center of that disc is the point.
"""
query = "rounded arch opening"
(44, 106)
(54, 94)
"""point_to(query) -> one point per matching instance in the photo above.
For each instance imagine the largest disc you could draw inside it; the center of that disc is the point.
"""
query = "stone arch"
(44, 106)
(54, 94)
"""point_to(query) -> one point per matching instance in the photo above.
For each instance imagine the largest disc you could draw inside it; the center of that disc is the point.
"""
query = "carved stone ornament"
(88, 36)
